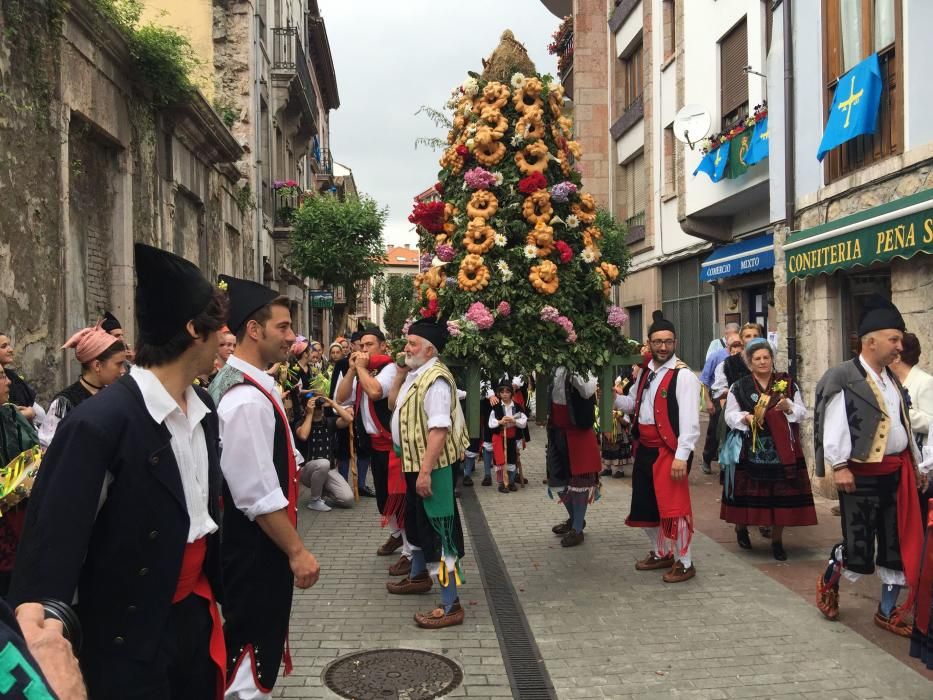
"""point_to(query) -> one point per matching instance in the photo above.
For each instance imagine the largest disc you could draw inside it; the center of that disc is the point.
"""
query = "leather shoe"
(390, 546)
(653, 561)
(512, 486)
(827, 598)
(777, 549)
(680, 573)
(894, 625)
(565, 527)
(707, 468)
(467, 481)
(419, 584)
(606, 472)
(487, 481)
(571, 539)
(741, 536)
(400, 568)
(503, 488)
(438, 619)
(367, 492)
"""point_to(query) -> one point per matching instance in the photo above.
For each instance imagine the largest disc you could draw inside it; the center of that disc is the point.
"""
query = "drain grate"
(523, 663)
(411, 674)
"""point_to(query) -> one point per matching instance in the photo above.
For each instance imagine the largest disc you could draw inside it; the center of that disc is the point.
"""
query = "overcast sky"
(392, 57)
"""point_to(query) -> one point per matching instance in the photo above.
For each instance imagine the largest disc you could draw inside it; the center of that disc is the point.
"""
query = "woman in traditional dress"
(22, 395)
(102, 359)
(770, 484)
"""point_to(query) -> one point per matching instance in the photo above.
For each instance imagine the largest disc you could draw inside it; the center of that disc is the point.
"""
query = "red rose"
(439, 187)
(428, 215)
(532, 183)
(430, 310)
(463, 151)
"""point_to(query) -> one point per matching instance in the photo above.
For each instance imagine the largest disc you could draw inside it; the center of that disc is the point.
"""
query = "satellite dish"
(691, 124)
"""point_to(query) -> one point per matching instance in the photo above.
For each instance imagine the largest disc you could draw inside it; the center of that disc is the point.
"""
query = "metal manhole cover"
(406, 674)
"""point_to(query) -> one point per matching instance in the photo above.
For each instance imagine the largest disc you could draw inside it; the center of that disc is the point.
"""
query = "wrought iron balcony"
(636, 228)
(290, 62)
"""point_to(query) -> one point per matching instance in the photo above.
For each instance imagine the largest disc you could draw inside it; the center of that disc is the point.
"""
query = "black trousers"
(379, 466)
(869, 524)
(711, 446)
(181, 670)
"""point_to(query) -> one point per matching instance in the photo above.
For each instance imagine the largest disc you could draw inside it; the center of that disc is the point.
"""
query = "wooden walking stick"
(353, 480)
(505, 452)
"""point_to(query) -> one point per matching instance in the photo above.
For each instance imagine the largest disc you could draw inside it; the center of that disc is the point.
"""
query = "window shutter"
(733, 57)
(638, 186)
(769, 25)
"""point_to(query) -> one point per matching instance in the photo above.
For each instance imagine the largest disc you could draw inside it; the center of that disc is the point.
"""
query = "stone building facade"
(91, 168)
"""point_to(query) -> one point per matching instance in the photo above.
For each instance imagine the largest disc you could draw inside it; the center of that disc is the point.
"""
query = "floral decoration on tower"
(517, 267)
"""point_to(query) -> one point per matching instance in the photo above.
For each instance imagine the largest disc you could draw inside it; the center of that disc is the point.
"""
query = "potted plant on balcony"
(287, 200)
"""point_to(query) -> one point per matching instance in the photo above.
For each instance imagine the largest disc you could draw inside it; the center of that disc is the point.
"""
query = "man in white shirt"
(666, 408)
(263, 554)
(862, 433)
(125, 513)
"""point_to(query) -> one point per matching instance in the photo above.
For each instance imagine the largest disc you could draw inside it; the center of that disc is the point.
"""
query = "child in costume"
(506, 422)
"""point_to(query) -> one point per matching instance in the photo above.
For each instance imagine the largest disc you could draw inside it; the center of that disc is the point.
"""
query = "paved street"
(739, 629)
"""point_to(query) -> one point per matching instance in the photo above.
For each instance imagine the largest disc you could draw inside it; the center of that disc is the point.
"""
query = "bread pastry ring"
(533, 158)
(555, 100)
(543, 277)
(435, 277)
(537, 207)
(490, 153)
(542, 238)
(479, 237)
(609, 271)
(452, 161)
(473, 274)
(529, 96)
(482, 204)
(530, 126)
(495, 95)
(496, 121)
(585, 209)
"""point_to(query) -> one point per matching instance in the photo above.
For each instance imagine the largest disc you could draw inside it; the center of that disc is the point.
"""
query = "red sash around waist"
(582, 446)
(673, 496)
(888, 465)
(192, 579)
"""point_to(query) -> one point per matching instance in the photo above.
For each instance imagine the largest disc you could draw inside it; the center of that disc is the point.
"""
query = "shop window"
(852, 31)
(757, 300)
(688, 303)
(733, 80)
(855, 287)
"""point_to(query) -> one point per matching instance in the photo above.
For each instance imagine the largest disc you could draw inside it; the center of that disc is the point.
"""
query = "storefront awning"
(739, 258)
(898, 229)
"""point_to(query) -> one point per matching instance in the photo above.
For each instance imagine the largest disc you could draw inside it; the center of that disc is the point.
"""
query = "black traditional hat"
(110, 322)
(659, 323)
(246, 298)
(373, 330)
(170, 291)
(879, 314)
(505, 382)
(431, 329)
(356, 336)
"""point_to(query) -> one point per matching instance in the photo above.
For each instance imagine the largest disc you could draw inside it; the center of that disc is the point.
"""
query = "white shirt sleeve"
(798, 413)
(521, 421)
(40, 415)
(49, 425)
(248, 430)
(461, 394)
(720, 385)
(837, 442)
(437, 404)
(688, 403)
(624, 403)
(735, 416)
(585, 386)
(493, 422)
(385, 378)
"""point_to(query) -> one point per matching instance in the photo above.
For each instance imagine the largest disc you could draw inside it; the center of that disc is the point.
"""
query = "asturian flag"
(855, 105)
(714, 162)
(758, 148)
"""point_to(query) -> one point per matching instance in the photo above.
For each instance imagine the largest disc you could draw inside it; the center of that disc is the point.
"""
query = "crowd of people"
(218, 415)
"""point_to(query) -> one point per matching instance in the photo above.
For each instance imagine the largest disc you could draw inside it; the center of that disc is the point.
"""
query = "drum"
(18, 477)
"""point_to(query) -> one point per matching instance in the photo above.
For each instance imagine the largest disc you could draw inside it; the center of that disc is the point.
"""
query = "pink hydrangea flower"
(504, 309)
(616, 316)
(479, 179)
(453, 327)
(480, 315)
(445, 252)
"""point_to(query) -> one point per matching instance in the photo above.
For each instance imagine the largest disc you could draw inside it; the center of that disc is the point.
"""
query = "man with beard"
(124, 512)
(263, 555)
(430, 435)
(667, 424)
(862, 433)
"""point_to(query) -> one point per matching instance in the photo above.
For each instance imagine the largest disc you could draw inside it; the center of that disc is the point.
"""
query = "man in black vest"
(263, 554)
(125, 509)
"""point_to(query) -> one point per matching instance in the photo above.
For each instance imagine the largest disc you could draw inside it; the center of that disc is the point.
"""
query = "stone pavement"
(603, 629)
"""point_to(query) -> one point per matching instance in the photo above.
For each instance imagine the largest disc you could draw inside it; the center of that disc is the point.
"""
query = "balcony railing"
(287, 201)
(288, 58)
(636, 228)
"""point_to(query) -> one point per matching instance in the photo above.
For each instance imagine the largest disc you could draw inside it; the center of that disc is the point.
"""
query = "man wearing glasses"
(666, 403)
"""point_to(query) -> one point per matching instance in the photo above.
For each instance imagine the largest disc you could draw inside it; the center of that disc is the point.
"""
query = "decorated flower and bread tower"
(513, 247)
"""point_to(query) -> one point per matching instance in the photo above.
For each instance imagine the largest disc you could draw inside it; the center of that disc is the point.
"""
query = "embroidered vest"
(666, 409)
(413, 422)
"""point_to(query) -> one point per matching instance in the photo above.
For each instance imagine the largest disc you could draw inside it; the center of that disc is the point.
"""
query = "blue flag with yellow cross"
(714, 162)
(855, 105)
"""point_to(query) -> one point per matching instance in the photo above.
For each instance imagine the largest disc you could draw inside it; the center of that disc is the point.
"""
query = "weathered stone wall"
(233, 77)
(591, 94)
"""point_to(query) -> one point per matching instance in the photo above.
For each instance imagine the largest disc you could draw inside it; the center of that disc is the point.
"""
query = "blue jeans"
(362, 469)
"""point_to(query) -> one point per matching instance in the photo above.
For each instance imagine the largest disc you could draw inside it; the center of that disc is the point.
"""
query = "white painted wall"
(705, 23)
(918, 67)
